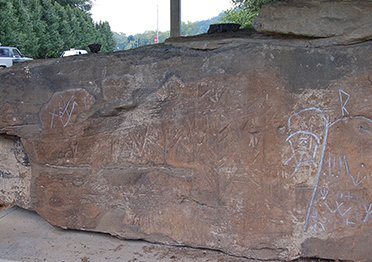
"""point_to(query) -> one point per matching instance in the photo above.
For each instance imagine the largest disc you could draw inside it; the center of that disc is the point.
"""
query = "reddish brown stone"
(331, 21)
(258, 147)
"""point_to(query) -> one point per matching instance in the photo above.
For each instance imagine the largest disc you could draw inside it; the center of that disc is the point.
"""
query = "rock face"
(258, 147)
(15, 173)
(340, 21)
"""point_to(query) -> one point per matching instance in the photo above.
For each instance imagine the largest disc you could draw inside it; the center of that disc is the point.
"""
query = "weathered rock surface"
(340, 21)
(258, 147)
(15, 173)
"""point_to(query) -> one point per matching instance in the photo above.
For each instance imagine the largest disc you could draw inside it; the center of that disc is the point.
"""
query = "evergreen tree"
(84, 5)
(65, 27)
(36, 27)
(52, 41)
(74, 27)
(9, 23)
(88, 29)
(23, 30)
(105, 37)
(45, 28)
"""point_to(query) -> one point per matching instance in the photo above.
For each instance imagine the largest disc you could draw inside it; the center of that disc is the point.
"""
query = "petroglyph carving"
(324, 193)
(368, 214)
(344, 99)
(336, 209)
(357, 180)
(334, 166)
(309, 129)
(317, 222)
(254, 140)
(308, 145)
(65, 108)
(64, 111)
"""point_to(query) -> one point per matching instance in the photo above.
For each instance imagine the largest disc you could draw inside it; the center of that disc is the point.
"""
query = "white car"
(73, 52)
(11, 55)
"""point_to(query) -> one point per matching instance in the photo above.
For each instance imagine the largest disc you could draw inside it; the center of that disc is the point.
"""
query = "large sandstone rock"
(257, 147)
(339, 21)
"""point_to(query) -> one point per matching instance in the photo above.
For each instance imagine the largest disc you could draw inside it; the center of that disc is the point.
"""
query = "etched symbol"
(306, 147)
(344, 99)
(335, 210)
(317, 222)
(357, 180)
(368, 213)
(324, 193)
(63, 112)
(309, 129)
(254, 140)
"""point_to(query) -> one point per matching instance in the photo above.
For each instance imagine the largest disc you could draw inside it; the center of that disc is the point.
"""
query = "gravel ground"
(25, 237)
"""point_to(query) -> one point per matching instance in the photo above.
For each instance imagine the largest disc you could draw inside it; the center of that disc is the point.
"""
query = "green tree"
(85, 5)
(124, 42)
(36, 27)
(9, 23)
(51, 41)
(244, 11)
(199, 27)
(74, 27)
(65, 26)
(85, 31)
(189, 28)
(25, 34)
(45, 28)
(105, 37)
(121, 40)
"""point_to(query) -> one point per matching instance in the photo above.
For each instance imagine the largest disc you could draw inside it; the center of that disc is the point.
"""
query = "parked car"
(73, 52)
(10, 56)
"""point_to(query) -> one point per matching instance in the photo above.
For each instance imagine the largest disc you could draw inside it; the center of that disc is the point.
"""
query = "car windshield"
(17, 53)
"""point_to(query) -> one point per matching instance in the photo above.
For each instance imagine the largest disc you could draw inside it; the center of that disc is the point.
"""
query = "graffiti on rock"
(344, 99)
(368, 213)
(336, 188)
(63, 111)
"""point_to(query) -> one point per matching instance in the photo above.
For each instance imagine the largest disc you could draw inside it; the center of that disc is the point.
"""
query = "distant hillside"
(124, 42)
(200, 27)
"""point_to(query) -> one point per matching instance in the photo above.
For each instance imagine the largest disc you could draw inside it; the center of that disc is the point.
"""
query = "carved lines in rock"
(346, 205)
(368, 213)
(317, 222)
(307, 141)
(344, 99)
(306, 148)
(63, 112)
(254, 140)
(357, 180)
(340, 165)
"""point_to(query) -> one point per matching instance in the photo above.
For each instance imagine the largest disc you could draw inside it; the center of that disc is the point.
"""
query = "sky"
(137, 16)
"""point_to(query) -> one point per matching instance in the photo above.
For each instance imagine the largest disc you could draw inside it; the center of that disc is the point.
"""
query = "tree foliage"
(199, 27)
(84, 5)
(45, 28)
(244, 11)
(124, 42)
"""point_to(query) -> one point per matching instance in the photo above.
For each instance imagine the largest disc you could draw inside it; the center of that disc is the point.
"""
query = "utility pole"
(156, 41)
(175, 18)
